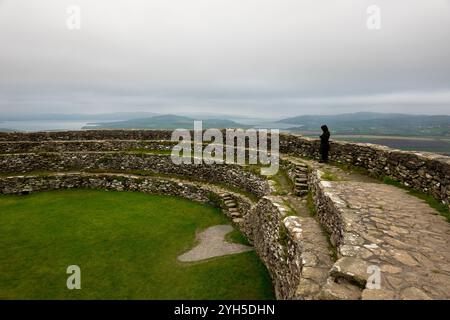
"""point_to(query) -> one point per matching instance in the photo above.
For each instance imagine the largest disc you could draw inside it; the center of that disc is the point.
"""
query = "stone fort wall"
(275, 236)
(427, 172)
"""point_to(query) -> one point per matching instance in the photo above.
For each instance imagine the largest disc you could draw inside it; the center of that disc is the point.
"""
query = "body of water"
(47, 125)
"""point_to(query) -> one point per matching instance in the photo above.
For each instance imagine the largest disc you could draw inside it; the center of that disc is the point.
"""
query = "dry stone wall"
(325, 203)
(116, 182)
(87, 135)
(427, 172)
(232, 175)
(275, 244)
(84, 146)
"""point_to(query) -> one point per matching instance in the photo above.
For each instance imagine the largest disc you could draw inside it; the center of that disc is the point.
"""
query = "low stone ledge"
(232, 175)
(84, 146)
(120, 182)
(113, 134)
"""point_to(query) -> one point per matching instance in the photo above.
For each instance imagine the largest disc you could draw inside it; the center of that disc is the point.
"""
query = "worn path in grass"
(212, 244)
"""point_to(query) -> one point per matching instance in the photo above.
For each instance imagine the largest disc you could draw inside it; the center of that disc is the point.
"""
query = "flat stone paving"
(212, 244)
(401, 234)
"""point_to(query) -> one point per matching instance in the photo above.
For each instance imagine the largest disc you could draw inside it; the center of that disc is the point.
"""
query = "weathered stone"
(412, 293)
(339, 291)
(390, 268)
(351, 269)
(377, 294)
(317, 274)
(404, 257)
(309, 259)
(307, 289)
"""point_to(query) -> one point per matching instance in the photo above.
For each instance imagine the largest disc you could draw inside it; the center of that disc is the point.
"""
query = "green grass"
(237, 237)
(328, 176)
(282, 182)
(126, 244)
(310, 204)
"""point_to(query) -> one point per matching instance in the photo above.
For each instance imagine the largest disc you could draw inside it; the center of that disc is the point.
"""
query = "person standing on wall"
(324, 143)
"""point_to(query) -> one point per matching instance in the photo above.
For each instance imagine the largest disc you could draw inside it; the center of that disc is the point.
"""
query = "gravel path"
(212, 243)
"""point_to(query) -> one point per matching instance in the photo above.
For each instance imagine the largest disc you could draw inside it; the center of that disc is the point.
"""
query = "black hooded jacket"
(325, 139)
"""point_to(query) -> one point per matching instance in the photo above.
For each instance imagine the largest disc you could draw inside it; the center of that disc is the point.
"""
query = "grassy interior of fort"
(126, 244)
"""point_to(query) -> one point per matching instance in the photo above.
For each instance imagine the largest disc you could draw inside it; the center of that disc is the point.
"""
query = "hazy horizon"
(140, 114)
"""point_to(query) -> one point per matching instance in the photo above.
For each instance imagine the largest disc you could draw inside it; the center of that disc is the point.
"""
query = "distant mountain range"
(374, 123)
(167, 121)
(361, 123)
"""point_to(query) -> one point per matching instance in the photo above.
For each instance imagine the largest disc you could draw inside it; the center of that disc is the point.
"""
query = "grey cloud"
(251, 57)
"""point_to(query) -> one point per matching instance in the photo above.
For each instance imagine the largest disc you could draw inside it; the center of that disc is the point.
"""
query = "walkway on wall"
(379, 227)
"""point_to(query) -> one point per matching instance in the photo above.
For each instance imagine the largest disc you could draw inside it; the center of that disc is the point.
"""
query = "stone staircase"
(231, 208)
(300, 177)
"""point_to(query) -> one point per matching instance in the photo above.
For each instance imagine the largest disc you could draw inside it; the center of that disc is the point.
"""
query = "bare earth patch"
(212, 243)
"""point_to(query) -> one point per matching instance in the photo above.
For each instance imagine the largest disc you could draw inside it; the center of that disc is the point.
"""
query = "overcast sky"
(268, 58)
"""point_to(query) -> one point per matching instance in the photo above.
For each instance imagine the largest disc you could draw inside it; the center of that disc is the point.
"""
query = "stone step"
(301, 186)
(230, 204)
(238, 220)
(301, 180)
(235, 214)
(301, 193)
(353, 270)
(339, 290)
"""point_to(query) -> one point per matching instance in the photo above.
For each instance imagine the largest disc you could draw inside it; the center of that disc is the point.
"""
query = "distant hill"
(168, 121)
(374, 123)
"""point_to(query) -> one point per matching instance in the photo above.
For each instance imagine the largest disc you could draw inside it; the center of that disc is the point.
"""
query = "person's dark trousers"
(325, 156)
